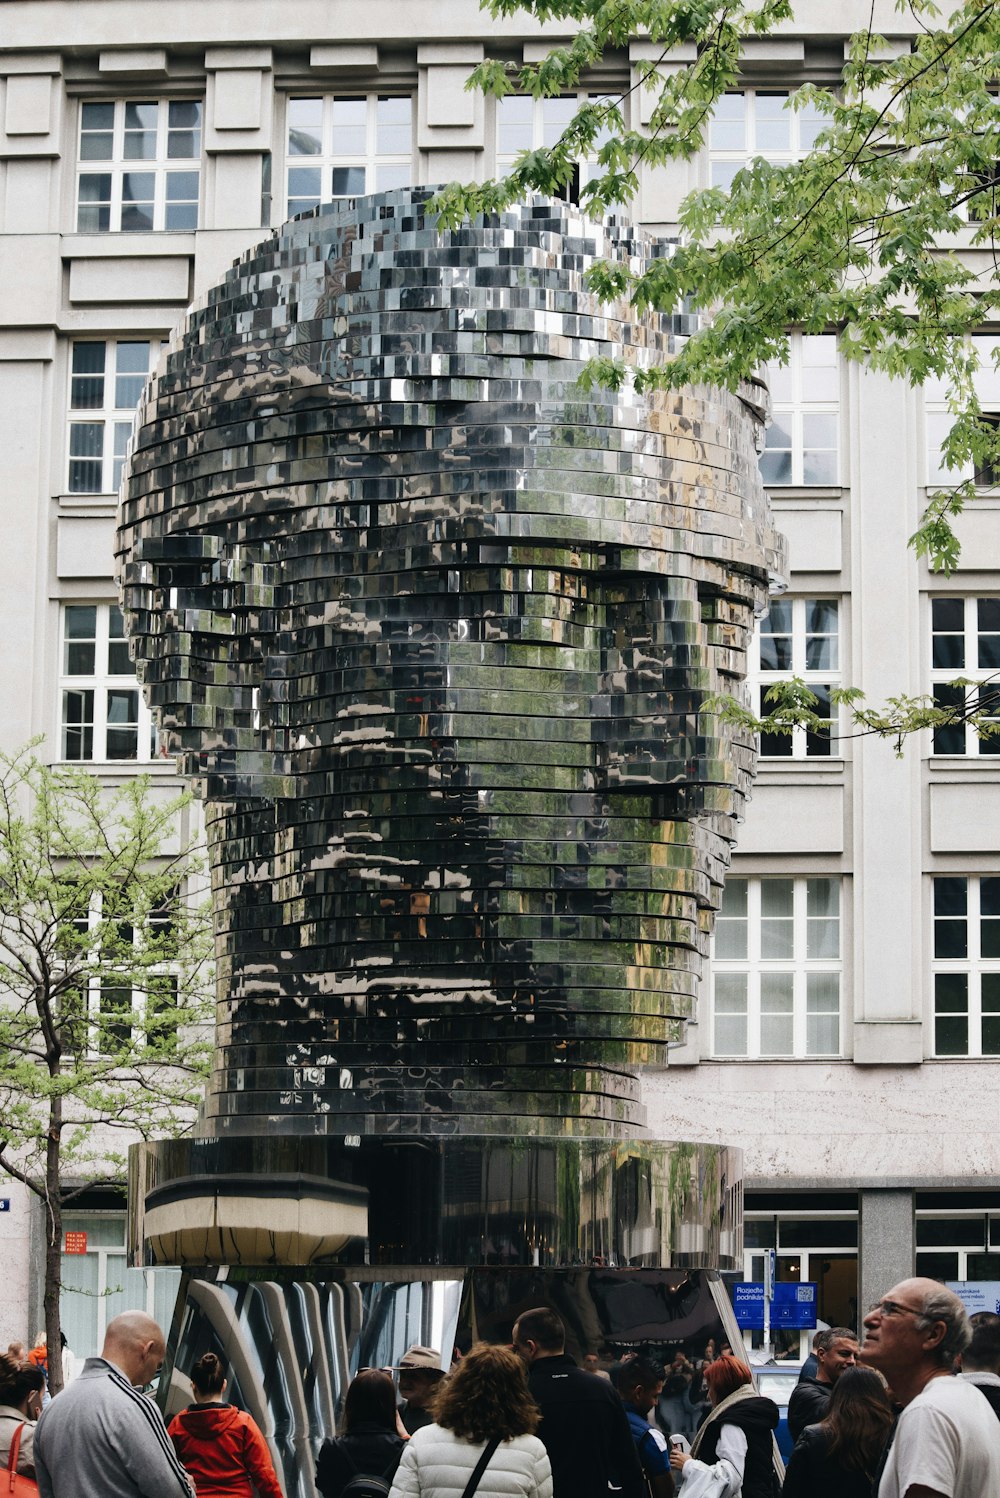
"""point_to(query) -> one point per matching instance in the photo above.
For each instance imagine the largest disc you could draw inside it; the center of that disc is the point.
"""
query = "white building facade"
(849, 1032)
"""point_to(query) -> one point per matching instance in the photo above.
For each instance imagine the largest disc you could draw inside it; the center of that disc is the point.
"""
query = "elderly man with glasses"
(946, 1443)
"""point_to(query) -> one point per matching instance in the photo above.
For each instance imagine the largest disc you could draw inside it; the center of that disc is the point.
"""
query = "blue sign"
(794, 1305)
(748, 1304)
(4, 1203)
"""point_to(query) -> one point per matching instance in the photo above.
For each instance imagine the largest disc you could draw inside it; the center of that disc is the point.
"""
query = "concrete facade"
(890, 1122)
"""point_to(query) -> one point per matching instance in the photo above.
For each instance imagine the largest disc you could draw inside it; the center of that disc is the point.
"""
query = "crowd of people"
(911, 1412)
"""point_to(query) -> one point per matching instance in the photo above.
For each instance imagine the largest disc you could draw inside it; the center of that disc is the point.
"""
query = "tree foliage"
(105, 967)
(884, 232)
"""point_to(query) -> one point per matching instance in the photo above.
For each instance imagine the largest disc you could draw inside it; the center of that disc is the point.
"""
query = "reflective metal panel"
(437, 633)
(293, 1340)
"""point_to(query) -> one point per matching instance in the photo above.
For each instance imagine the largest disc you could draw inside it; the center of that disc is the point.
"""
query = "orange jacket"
(224, 1452)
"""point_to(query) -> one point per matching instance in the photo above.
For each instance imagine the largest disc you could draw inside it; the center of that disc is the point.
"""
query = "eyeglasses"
(892, 1308)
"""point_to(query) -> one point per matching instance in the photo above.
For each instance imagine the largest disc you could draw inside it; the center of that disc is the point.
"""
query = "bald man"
(946, 1443)
(101, 1438)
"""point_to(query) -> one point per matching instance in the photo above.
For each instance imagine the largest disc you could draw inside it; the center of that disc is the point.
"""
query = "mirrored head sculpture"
(436, 631)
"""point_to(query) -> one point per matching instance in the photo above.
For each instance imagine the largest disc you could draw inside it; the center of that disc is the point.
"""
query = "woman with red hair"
(732, 1456)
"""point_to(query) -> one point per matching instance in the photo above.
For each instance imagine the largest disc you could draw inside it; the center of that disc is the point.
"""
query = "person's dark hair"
(208, 1374)
(858, 1420)
(486, 1396)
(18, 1380)
(824, 1340)
(544, 1327)
(371, 1398)
(640, 1373)
(725, 1376)
(983, 1353)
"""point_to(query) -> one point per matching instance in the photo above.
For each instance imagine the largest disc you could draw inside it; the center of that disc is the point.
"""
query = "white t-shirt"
(948, 1440)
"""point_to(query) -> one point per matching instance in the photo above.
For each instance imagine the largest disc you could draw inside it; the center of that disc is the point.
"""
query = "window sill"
(108, 246)
(798, 492)
(108, 502)
(776, 1060)
(160, 769)
(963, 766)
(771, 768)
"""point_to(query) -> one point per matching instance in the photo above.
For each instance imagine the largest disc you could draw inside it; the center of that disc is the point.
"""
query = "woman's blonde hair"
(486, 1396)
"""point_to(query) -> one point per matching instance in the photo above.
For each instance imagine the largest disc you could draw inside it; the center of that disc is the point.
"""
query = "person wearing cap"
(420, 1373)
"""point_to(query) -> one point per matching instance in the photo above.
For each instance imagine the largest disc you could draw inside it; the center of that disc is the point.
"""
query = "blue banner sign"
(794, 1305)
(748, 1304)
(977, 1295)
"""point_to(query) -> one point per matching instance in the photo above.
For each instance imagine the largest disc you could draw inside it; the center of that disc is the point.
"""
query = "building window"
(526, 124)
(97, 1285)
(965, 642)
(103, 715)
(939, 420)
(776, 968)
(802, 446)
(758, 123)
(354, 145)
(799, 637)
(966, 966)
(139, 166)
(107, 377)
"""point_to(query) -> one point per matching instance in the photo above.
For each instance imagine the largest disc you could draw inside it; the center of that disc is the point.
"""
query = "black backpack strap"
(348, 1458)
(480, 1467)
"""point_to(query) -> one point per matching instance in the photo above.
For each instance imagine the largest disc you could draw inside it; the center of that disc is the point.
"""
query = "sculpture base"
(292, 1340)
(461, 1200)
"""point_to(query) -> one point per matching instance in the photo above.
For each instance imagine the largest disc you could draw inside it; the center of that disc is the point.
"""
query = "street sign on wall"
(76, 1243)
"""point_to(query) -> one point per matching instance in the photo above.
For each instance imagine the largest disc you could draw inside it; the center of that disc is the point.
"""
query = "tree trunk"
(53, 1245)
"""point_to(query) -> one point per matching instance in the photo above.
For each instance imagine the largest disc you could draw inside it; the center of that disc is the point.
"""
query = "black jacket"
(812, 1474)
(585, 1431)
(756, 1417)
(373, 1450)
(808, 1405)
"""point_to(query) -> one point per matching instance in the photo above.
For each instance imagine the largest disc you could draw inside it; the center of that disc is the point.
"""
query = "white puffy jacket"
(438, 1464)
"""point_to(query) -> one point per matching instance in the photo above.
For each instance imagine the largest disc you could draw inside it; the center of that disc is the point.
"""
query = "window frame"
(800, 967)
(371, 160)
(938, 420)
(973, 967)
(793, 405)
(801, 122)
(800, 742)
(974, 747)
(547, 132)
(101, 682)
(118, 165)
(113, 422)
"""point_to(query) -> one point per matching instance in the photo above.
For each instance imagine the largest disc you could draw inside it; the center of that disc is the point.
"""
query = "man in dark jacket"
(584, 1427)
(640, 1385)
(981, 1359)
(835, 1349)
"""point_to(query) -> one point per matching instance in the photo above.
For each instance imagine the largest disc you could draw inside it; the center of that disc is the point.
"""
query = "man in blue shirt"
(640, 1384)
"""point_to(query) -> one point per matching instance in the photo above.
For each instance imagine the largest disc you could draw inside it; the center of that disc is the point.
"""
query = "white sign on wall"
(977, 1295)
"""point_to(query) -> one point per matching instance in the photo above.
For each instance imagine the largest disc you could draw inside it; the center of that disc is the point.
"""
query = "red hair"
(725, 1376)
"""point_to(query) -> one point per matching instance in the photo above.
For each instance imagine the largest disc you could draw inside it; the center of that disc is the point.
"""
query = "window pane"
(818, 467)
(730, 1014)
(304, 182)
(350, 127)
(123, 727)
(776, 1016)
(392, 127)
(731, 925)
(118, 657)
(949, 738)
(97, 116)
(776, 898)
(822, 1014)
(87, 379)
(79, 636)
(727, 131)
(348, 181)
(514, 124)
(184, 130)
(773, 124)
(137, 202)
(389, 175)
(86, 450)
(305, 127)
(776, 467)
(951, 1036)
(94, 199)
(78, 725)
(131, 368)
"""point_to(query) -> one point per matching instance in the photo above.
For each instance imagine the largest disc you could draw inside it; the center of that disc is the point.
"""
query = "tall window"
(800, 637)
(776, 968)
(965, 642)
(103, 716)
(107, 377)
(97, 1285)
(966, 966)
(758, 123)
(526, 124)
(802, 446)
(139, 165)
(341, 146)
(938, 419)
